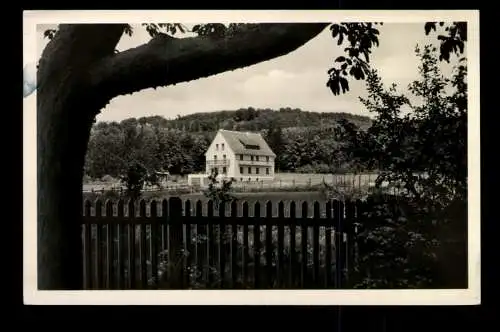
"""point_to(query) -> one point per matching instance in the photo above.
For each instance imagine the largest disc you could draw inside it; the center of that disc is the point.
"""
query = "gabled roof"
(247, 143)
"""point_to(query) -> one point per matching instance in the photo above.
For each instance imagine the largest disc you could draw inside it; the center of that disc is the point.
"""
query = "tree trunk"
(61, 151)
(66, 109)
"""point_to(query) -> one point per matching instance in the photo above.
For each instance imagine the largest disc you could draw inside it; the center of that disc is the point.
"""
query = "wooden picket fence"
(175, 244)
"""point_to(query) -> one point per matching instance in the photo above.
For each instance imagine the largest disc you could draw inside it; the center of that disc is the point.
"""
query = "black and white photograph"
(321, 154)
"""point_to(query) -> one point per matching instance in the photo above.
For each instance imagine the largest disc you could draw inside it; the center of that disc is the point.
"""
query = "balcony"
(255, 163)
(218, 162)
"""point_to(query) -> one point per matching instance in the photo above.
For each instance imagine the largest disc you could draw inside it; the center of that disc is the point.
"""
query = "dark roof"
(247, 143)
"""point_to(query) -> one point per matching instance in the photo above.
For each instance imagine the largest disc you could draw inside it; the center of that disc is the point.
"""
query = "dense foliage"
(418, 239)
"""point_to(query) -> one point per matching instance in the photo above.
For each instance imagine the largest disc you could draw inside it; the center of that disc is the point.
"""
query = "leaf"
(366, 52)
(128, 30)
(341, 39)
(49, 33)
(335, 30)
(429, 26)
(344, 84)
(333, 84)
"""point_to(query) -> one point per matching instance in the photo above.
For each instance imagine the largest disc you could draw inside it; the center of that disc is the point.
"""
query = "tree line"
(303, 141)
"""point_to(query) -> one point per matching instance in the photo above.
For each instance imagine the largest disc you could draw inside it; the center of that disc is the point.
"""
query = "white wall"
(212, 150)
(262, 164)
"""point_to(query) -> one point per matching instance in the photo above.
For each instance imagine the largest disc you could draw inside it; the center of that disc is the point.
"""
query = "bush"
(108, 179)
(404, 244)
(316, 168)
(86, 179)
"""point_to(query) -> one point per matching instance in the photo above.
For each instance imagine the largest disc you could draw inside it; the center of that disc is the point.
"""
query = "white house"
(240, 155)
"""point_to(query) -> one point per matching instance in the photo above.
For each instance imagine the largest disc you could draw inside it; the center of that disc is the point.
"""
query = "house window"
(257, 158)
(222, 146)
(256, 170)
(267, 171)
(249, 170)
(251, 158)
(215, 157)
(224, 170)
(241, 157)
(241, 170)
(224, 157)
(267, 158)
(217, 147)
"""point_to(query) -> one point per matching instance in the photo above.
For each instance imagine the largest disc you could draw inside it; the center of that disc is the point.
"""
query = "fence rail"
(281, 181)
(184, 244)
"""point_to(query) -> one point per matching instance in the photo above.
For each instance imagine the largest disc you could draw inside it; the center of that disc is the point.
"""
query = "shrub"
(405, 244)
(86, 179)
(108, 178)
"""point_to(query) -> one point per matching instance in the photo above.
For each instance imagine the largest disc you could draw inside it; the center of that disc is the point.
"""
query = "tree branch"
(165, 60)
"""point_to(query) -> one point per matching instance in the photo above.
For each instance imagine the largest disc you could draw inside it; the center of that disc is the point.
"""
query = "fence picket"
(256, 245)
(110, 248)
(281, 235)
(212, 245)
(246, 256)
(175, 249)
(316, 246)
(269, 243)
(328, 245)
(340, 245)
(122, 244)
(201, 245)
(131, 245)
(143, 247)
(88, 248)
(222, 244)
(348, 236)
(189, 247)
(98, 248)
(337, 241)
(155, 243)
(234, 244)
(293, 246)
(304, 253)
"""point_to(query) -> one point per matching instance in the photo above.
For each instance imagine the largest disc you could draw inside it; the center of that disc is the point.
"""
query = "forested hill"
(253, 119)
(303, 141)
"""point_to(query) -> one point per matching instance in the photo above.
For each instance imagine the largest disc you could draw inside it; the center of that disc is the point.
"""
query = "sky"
(296, 80)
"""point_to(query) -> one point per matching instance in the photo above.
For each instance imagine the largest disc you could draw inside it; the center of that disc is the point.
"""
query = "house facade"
(243, 156)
